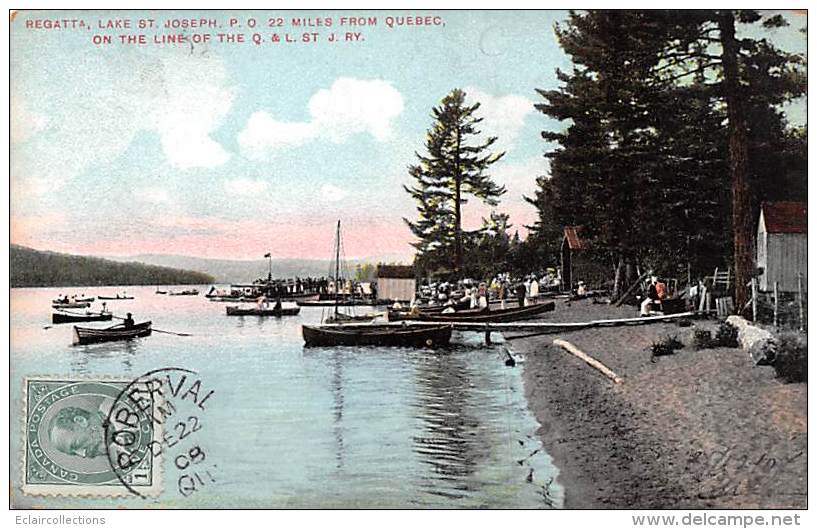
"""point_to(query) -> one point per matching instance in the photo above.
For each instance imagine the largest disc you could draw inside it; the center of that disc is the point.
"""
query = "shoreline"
(697, 429)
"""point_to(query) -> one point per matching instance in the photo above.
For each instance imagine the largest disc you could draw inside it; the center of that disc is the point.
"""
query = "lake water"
(295, 427)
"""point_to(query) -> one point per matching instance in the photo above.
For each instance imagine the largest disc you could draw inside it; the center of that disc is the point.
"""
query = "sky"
(233, 150)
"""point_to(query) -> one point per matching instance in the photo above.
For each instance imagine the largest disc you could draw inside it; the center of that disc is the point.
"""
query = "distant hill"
(244, 271)
(35, 268)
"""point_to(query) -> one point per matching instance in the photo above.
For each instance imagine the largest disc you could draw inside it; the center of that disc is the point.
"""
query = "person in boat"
(129, 321)
(104, 307)
(277, 306)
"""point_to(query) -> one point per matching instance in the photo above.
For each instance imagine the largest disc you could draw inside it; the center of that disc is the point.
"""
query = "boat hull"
(85, 335)
(329, 336)
(110, 298)
(239, 311)
(332, 303)
(82, 305)
(480, 316)
(76, 318)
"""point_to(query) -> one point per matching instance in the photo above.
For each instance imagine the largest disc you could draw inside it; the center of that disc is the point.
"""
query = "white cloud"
(22, 122)
(332, 193)
(263, 133)
(353, 106)
(348, 107)
(90, 113)
(504, 116)
(244, 186)
(191, 107)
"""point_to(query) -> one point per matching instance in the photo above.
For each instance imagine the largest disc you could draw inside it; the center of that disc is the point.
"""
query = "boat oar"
(154, 329)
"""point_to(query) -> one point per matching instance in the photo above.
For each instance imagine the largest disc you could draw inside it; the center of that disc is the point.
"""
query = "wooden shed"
(577, 261)
(782, 246)
(395, 282)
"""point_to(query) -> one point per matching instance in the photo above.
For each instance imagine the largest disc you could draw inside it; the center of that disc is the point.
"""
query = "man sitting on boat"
(129, 321)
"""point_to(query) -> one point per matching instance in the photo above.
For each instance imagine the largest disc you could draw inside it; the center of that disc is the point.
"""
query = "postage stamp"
(70, 440)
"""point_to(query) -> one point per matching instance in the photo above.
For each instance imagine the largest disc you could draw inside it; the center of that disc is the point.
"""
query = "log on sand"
(572, 349)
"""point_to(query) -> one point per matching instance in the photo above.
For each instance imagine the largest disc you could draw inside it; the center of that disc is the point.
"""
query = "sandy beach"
(697, 429)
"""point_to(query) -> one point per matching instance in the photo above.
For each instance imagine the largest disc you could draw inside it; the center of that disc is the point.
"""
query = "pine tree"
(455, 165)
(600, 169)
(746, 73)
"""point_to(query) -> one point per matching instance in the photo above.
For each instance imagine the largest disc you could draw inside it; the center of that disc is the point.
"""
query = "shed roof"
(785, 217)
(574, 240)
(395, 271)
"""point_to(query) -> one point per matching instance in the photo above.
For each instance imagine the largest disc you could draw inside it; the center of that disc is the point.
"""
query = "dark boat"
(357, 302)
(253, 311)
(479, 315)
(161, 291)
(62, 317)
(383, 335)
(71, 305)
(191, 292)
(338, 334)
(114, 297)
(340, 317)
(73, 299)
(85, 335)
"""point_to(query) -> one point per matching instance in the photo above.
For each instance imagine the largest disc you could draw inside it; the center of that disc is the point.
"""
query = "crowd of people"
(503, 288)
(282, 288)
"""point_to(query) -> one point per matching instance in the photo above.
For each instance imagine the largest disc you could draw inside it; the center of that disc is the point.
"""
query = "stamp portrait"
(69, 446)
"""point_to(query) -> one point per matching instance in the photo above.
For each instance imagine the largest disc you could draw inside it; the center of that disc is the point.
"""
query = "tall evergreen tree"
(746, 72)
(455, 165)
(600, 169)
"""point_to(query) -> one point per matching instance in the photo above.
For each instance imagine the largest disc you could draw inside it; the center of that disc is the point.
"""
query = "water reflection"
(82, 356)
(448, 444)
(337, 406)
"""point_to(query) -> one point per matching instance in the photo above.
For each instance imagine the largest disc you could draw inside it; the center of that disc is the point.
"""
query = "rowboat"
(254, 311)
(71, 305)
(341, 317)
(233, 299)
(382, 335)
(191, 292)
(61, 317)
(73, 299)
(332, 303)
(114, 297)
(478, 315)
(85, 335)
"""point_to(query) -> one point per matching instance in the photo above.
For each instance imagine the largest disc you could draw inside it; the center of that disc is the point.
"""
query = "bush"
(667, 346)
(726, 335)
(791, 362)
(702, 339)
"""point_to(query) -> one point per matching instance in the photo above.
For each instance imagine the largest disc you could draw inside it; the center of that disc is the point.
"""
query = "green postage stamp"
(74, 444)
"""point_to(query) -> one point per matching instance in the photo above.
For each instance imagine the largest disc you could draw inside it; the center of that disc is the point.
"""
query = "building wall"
(782, 257)
(395, 289)
(592, 273)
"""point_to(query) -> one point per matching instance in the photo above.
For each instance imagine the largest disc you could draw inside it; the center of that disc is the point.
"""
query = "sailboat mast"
(337, 267)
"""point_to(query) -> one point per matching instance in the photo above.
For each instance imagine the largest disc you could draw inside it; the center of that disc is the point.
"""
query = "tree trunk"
(742, 221)
(457, 208)
(619, 279)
